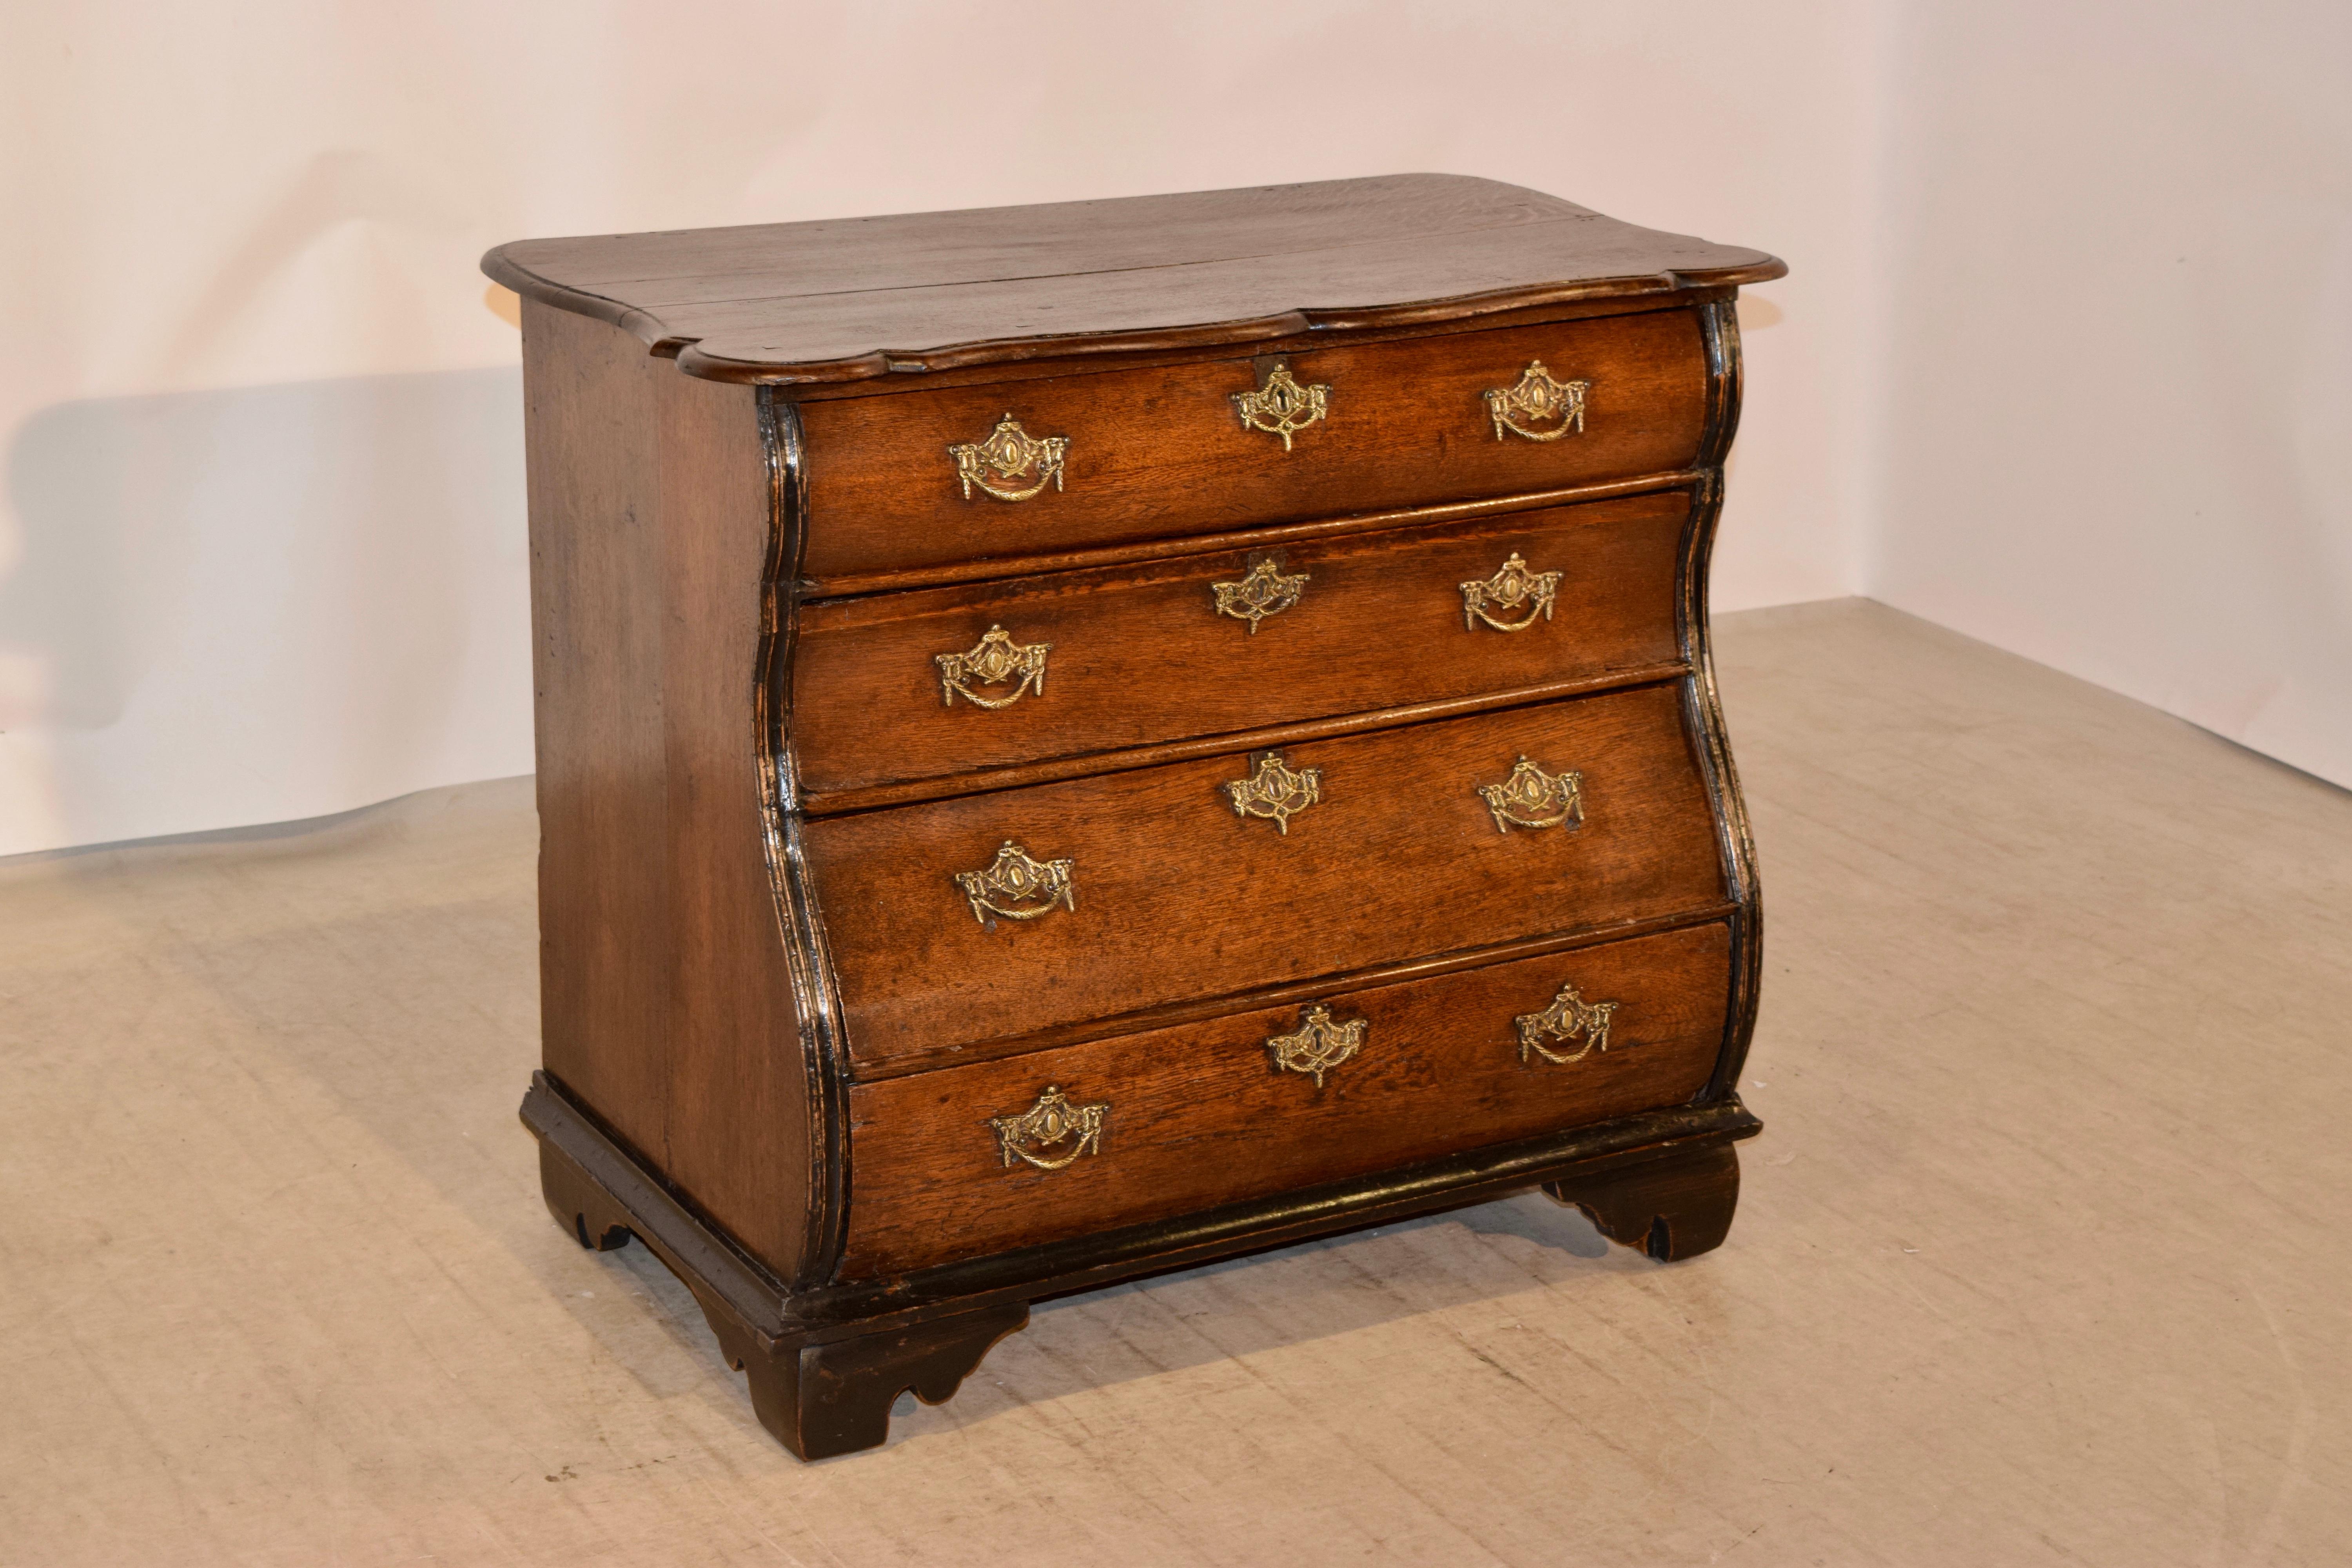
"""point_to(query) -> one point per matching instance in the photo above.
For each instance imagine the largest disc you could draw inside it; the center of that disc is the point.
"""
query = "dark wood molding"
(631, 1198)
(1704, 704)
(816, 989)
(1671, 1208)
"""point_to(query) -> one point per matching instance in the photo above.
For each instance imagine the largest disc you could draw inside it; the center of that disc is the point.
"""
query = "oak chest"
(1074, 741)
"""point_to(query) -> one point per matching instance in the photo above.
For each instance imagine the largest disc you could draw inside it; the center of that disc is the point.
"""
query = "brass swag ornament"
(995, 660)
(1039, 885)
(1531, 797)
(1054, 1119)
(1317, 1045)
(1570, 1018)
(1281, 407)
(1275, 791)
(1509, 590)
(1262, 590)
(1010, 455)
(1537, 397)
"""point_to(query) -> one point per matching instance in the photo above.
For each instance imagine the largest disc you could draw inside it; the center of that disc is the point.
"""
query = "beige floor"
(2042, 1257)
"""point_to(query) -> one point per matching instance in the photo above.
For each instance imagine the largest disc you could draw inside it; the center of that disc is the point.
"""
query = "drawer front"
(1172, 893)
(1204, 1114)
(1152, 453)
(1091, 661)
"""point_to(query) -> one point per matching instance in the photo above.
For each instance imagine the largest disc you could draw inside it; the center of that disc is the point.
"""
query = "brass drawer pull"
(1280, 407)
(1317, 1045)
(1009, 456)
(1020, 882)
(1537, 397)
(1531, 797)
(1051, 1121)
(1509, 590)
(995, 660)
(1276, 791)
(1570, 1018)
(1262, 590)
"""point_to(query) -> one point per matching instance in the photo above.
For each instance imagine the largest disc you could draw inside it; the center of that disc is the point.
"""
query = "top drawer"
(1151, 453)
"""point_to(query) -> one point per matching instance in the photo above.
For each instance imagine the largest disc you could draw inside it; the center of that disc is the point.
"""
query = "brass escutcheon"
(1053, 1119)
(1531, 797)
(1537, 396)
(1570, 1018)
(1262, 590)
(1280, 407)
(1275, 791)
(1317, 1045)
(995, 660)
(1015, 877)
(1010, 453)
(1508, 589)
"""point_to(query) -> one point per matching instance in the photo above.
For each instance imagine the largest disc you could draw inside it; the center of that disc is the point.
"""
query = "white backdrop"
(2116, 373)
(261, 556)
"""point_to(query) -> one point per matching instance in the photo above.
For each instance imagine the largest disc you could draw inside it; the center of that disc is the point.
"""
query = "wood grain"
(666, 1005)
(1162, 453)
(1179, 897)
(1198, 1116)
(848, 300)
(1140, 654)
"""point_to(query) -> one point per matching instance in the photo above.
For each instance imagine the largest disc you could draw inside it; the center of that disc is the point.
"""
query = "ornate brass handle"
(1035, 885)
(1262, 590)
(1531, 797)
(995, 660)
(1009, 456)
(1317, 1045)
(1280, 407)
(1570, 1018)
(1275, 791)
(1537, 397)
(1053, 1121)
(1510, 589)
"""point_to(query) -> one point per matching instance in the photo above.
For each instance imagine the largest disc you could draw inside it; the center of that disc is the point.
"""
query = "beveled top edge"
(852, 300)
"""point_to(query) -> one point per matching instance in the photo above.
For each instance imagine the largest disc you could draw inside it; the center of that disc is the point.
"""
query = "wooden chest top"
(852, 298)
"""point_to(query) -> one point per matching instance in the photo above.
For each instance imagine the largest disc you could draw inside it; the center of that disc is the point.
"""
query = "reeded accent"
(1317, 1045)
(1531, 797)
(1570, 1018)
(1053, 1119)
(995, 660)
(1264, 591)
(1011, 454)
(1537, 396)
(1017, 879)
(1509, 590)
(1275, 791)
(1281, 407)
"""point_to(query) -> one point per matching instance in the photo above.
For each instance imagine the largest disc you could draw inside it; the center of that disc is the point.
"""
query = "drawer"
(1173, 894)
(1153, 453)
(1089, 661)
(1201, 1115)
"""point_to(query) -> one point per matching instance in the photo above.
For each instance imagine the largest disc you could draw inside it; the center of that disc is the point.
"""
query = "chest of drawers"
(1076, 740)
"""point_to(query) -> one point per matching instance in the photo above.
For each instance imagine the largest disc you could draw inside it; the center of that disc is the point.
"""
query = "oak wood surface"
(1140, 654)
(1179, 898)
(1004, 568)
(1163, 452)
(846, 300)
(666, 1006)
(1198, 1117)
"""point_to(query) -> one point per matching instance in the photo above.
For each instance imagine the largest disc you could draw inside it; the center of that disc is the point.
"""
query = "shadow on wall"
(250, 605)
